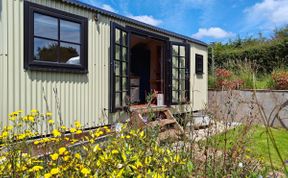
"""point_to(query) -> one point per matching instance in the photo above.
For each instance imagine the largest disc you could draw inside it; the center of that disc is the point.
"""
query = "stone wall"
(264, 106)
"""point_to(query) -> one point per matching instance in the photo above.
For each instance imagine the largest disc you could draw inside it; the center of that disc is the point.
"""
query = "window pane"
(117, 52)
(124, 99)
(183, 96)
(117, 84)
(175, 85)
(174, 96)
(175, 50)
(69, 53)
(69, 31)
(182, 51)
(124, 53)
(117, 36)
(175, 73)
(117, 100)
(182, 85)
(175, 61)
(45, 50)
(45, 26)
(124, 83)
(124, 38)
(182, 62)
(117, 68)
(124, 67)
(182, 74)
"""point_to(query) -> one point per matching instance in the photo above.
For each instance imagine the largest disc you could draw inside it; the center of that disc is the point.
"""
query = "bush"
(280, 79)
(224, 80)
(131, 153)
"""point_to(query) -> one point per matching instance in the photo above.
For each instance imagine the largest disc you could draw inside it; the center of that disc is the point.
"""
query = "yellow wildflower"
(66, 158)
(36, 142)
(36, 168)
(5, 134)
(10, 127)
(34, 111)
(48, 114)
(21, 136)
(78, 156)
(85, 171)
(56, 133)
(72, 130)
(54, 156)
(63, 127)
(78, 131)
(47, 175)
(12, 118)
(62, 150)
(50, 121)
(54, 171)
(99, 133)
(31, 118)
(77, 124)
(128, 136)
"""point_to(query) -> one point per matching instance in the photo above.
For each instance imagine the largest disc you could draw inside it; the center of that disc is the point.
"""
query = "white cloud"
(146, 19)
(108, 8)
(267, 14)
(213, 32)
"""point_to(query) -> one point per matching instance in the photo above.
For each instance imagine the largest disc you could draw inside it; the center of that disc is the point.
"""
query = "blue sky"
(207, 20)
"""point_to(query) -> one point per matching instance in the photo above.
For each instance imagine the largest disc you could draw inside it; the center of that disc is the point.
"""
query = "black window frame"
(29, 63)
(187, 73)
(199, 64)
(113, 44)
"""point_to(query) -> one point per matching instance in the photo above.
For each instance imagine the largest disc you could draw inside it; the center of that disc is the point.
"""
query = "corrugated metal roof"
(127, 19)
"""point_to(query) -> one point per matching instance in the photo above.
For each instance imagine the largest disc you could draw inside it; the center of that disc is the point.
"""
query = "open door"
(119, 68)
(178, 73)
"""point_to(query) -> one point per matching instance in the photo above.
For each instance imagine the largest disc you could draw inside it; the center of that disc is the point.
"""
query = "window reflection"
(45, 26)
(69, 31)
(45, 50)
(69, 53)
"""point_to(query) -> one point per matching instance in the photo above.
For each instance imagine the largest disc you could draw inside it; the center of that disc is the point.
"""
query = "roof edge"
(133, 21)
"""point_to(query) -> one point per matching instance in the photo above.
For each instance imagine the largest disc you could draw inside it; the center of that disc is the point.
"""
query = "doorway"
(146, 68)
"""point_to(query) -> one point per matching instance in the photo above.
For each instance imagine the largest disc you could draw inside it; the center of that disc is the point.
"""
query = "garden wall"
(243, 104)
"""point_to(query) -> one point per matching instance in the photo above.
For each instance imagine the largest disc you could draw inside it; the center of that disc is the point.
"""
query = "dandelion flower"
(62, 150)
(56, 133)
(78, 131)
(54, 156)
(85, 171)
(47, 175)
(78, 156)
(54, 171)
(48, 114)
(77, 124)
(50, 121)
(36, 168)
(72, 130)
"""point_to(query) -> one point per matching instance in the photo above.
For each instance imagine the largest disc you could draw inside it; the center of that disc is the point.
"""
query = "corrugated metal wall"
(82, 97)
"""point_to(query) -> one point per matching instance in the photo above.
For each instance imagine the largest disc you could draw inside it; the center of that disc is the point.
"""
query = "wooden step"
(161, 123)
(169, 134)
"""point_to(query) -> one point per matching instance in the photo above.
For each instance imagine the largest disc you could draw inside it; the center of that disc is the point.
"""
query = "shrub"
(280, 79)
(130, 153)
(224, 80)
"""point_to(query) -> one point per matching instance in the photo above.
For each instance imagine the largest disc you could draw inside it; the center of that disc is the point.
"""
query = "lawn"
(257, 143)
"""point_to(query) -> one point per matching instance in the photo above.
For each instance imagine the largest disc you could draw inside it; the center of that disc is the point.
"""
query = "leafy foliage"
(267, 54)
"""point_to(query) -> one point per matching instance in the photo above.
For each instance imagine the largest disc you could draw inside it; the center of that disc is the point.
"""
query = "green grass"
(256, 141)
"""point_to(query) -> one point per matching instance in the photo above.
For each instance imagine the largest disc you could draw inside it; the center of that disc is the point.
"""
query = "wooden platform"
(156, 116)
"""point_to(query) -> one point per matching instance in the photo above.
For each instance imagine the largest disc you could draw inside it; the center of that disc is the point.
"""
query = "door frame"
(166, 57)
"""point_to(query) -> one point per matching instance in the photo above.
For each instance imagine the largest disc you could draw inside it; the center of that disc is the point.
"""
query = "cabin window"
(54, 40)
(180, 74)
(199, 64)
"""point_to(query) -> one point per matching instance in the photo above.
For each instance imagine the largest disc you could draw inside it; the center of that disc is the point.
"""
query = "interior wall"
(155, 59)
